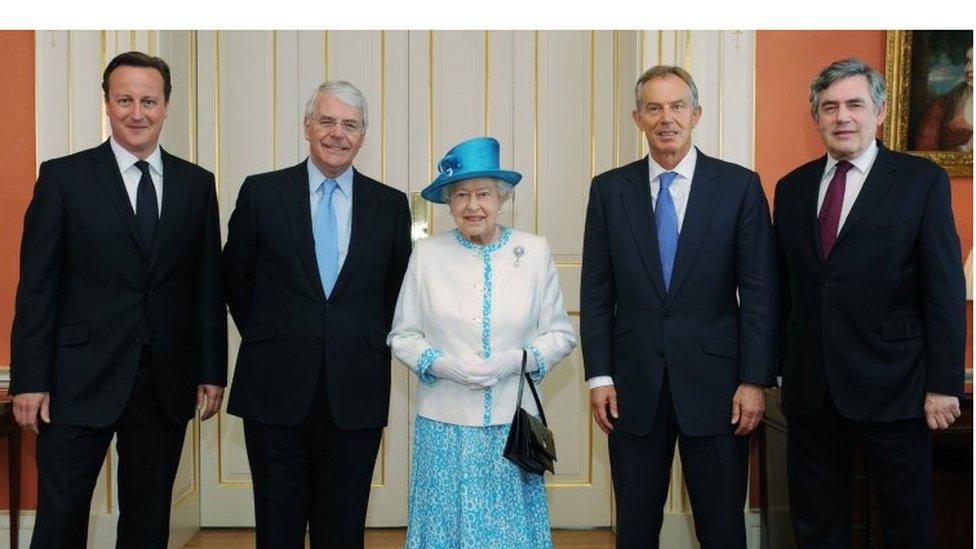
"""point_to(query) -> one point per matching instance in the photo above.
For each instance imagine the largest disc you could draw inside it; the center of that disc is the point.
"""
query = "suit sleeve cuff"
(599, 381)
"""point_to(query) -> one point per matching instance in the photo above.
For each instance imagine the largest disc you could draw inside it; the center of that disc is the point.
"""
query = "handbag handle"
(525, 376)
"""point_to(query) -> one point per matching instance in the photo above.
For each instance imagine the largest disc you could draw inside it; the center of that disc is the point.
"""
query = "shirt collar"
(126, 159)
(685, 168)
(315, 178)
(863, 162)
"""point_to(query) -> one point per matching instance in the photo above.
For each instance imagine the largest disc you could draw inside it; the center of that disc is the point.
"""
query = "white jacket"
(461, 300)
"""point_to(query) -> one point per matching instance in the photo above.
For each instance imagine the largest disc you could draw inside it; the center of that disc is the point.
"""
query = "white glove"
(462, 374)
(508, 363)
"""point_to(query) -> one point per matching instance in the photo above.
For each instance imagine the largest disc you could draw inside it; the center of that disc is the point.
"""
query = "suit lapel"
(879, 180)
(809, 192)
(295, 196)
(174, 191)
(698, 216)
(106, 172)
(636, 198)
(364, 210)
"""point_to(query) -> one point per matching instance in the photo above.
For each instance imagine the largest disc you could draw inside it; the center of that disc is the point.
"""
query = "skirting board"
(101, 529)
(678, 530)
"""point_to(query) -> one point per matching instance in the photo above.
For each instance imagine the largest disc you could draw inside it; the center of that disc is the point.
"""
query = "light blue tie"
(326, 236)
(666, 219)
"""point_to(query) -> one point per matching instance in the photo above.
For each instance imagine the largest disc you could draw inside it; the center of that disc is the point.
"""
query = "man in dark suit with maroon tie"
(873, 321)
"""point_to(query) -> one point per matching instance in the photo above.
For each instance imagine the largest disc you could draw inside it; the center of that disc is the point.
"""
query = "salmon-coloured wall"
(786, 62)
(17, 169)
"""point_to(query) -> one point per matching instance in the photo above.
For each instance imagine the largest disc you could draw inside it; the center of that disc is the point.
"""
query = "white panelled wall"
(559, 102)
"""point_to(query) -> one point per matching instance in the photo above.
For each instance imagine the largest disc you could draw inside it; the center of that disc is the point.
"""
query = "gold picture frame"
(898, 72)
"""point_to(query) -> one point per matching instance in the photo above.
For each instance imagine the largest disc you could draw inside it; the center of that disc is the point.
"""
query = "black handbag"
(530, 444)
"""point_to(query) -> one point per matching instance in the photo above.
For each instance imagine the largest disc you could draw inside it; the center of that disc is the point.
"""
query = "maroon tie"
(830, 210)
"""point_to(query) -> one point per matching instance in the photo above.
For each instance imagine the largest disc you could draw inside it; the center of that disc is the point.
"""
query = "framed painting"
(930, 96)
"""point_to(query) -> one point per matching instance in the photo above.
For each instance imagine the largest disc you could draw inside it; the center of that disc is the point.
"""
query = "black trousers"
(313, 474)
(70, 456)
(715, 470)
(820, 455)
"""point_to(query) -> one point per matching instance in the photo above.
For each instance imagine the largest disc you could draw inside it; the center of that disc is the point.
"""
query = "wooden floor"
(387, 538)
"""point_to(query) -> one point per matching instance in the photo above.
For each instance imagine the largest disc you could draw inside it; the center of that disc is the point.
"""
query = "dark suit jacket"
(290, 331)
(90, 296)
(882, 321)
(634, 330)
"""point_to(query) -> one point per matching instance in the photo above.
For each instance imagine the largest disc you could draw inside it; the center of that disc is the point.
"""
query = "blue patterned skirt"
(463, 493)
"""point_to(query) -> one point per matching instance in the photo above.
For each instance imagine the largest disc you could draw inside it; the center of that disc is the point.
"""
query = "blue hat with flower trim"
(476, 157)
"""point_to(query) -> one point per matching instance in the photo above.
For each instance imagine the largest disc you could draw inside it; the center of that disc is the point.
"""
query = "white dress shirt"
(132, 174)
(341, 204)
(680, 190)
(855, 180)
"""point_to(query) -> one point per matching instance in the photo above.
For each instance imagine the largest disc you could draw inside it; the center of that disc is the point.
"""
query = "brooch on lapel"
(519, 252)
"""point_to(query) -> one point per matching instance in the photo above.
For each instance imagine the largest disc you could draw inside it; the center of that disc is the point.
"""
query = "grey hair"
(502, 188)
(846, 68)
(341, 90)
(660, 71)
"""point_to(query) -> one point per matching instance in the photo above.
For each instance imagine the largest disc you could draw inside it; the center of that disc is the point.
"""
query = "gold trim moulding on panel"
(535, 136)
(592, 107)
(235, 483)
(325, 55)
(108, 480)
(564, 264)
(573, 313)
(383, 106)
(195, 436)
(274, 97)
(103, 59)
(570, 485)
(487, 80)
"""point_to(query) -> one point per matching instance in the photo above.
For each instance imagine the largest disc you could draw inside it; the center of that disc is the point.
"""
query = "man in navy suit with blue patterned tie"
(314, 259)
(678, 301)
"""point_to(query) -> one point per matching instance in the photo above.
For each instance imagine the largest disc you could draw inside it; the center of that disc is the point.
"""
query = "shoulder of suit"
(71, 159)
(620, 173)
(725, 168)
(803, 171)
(187, 165)
(910, 161)
(274, 178)
(383, 189)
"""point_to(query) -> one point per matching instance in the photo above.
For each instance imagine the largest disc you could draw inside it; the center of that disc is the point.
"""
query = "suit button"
(667, 315)
(328, 305)
(660, 354)
(825, 285)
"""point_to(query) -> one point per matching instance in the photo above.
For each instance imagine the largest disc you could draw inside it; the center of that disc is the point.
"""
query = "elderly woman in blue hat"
(472, 301)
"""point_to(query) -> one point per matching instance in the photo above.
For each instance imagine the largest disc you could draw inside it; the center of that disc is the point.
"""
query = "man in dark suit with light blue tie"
(873, 322)
(313, 263)
(678, 301)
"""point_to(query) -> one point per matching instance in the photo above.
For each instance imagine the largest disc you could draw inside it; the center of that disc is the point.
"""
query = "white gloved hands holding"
(470, 373)
(505, 363)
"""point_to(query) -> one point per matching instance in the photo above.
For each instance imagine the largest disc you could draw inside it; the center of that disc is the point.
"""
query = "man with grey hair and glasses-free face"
(314, 259)
(678, 300)
(873, 324)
